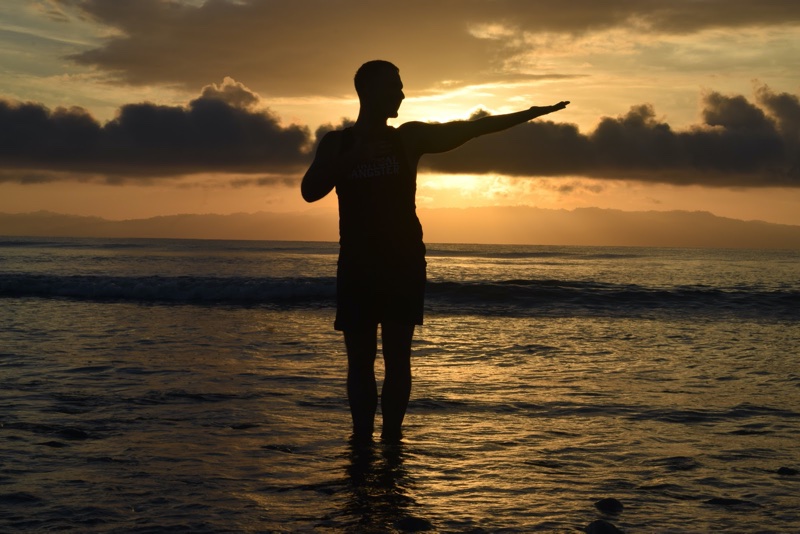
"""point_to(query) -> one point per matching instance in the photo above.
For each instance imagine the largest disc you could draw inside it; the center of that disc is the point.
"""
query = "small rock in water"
(609, 505)
(601, 527)
(413, 524)
(788, 471)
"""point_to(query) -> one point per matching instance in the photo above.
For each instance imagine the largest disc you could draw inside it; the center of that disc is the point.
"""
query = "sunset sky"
(157, 107)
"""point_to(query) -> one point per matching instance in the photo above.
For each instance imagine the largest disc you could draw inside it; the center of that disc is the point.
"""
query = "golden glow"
(462, 190)
(491, 62)
(215, 195)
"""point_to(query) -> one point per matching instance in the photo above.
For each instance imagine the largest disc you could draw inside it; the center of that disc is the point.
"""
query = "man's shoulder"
(412, 132)
(413, 126)
(333, 140)
(334, 135)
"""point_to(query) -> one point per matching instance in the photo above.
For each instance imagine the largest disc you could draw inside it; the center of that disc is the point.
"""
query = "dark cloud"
(28, 177)
(738, 144)
(225, 130)
(219, 131)
(785, 108)
(306, 47)
(543, 147)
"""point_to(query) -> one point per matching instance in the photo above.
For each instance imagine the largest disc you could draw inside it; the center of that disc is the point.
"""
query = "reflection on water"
(379, 490)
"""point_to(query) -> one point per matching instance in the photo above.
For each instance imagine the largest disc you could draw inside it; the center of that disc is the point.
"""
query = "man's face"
(388, 93)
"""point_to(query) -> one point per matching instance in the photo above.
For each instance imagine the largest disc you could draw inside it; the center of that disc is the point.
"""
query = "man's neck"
(368, 122)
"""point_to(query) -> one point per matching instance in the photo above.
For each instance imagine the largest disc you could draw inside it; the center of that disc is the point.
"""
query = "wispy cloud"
(310, 47)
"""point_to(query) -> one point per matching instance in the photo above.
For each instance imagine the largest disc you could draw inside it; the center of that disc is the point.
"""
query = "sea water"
(198, 386)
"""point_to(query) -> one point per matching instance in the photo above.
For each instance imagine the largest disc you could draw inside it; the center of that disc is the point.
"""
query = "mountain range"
(511, 225)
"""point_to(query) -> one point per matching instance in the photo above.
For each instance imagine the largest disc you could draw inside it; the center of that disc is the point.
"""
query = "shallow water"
(132, 418)
(139, 414)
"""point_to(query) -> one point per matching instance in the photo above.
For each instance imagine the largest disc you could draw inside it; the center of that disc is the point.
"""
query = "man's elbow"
(307, 195)
(310, 193)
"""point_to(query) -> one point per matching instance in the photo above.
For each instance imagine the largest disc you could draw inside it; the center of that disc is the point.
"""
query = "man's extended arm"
(427, 138)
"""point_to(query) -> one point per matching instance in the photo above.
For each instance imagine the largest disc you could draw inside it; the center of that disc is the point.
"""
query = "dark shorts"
(370, 292)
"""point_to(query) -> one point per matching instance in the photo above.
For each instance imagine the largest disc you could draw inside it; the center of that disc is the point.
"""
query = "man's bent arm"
(432, 138)
(325, 170)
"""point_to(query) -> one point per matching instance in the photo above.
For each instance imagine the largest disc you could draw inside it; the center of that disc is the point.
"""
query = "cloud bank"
(228, 129)
(220, 131)
(739, 143)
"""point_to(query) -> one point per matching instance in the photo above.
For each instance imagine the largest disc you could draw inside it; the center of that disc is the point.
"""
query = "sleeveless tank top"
(377, 210)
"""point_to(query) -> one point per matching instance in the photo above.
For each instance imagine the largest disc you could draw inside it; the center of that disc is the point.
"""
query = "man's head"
(379, 87)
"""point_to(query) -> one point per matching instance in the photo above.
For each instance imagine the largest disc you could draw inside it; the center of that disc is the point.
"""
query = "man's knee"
(397, 336)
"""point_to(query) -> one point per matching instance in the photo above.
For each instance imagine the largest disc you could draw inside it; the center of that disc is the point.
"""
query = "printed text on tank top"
(382, 166)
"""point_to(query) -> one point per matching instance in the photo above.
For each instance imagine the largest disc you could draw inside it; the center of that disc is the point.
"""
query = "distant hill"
(583, 226)
(605, 227)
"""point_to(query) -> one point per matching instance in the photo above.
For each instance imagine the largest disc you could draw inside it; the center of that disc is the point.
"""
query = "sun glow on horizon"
(464, 190)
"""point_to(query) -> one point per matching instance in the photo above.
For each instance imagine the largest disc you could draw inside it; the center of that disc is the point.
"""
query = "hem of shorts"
(341, 326)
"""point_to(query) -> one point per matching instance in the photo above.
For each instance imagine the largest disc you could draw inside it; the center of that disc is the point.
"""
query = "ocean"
(152, 385)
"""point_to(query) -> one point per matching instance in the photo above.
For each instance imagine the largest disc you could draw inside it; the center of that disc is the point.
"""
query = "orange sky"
(137, 109)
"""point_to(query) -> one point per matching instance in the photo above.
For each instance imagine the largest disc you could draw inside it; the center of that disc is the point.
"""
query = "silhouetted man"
(381, 270)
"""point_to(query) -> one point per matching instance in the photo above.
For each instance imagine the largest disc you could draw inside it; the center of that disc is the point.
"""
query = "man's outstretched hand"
(544, 110)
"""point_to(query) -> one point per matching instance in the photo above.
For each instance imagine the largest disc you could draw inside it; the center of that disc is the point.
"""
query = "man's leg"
(396, 390)
(362, 393)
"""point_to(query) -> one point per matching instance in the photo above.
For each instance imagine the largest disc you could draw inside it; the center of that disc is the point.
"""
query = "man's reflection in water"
(378, 486)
